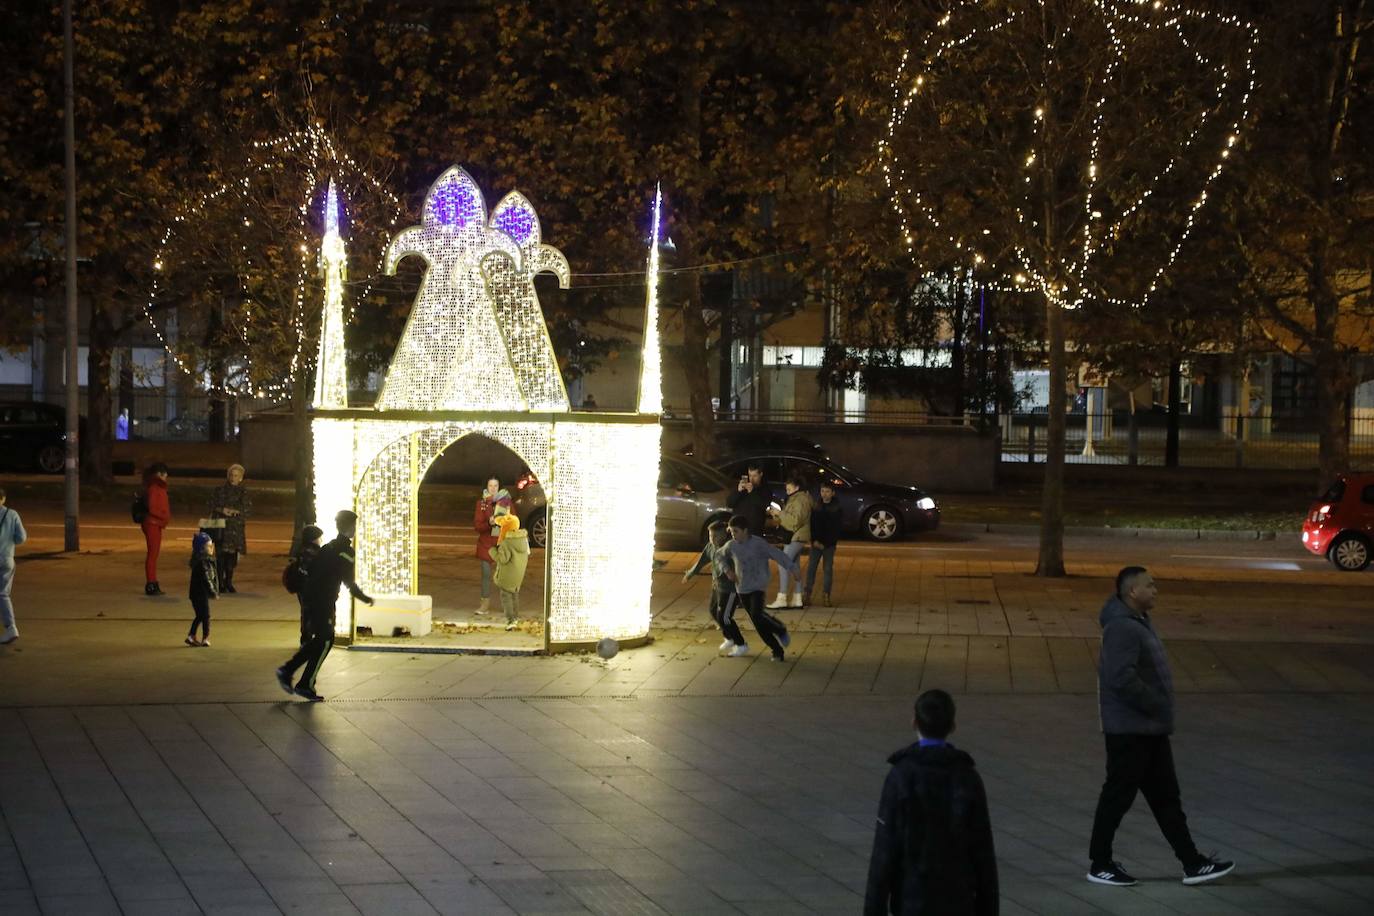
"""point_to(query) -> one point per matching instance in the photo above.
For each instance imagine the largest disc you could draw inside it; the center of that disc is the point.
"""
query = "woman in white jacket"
(12, 533)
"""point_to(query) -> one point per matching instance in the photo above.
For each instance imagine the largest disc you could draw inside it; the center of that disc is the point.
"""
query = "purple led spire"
(331, 210)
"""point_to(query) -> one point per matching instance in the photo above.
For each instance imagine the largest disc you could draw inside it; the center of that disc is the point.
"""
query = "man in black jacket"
(1135, 693)
(932, 851)
(751, 499)
(331, 568)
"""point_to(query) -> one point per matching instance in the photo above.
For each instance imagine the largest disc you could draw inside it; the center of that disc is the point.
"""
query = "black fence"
(159, 417)
(1228, 441)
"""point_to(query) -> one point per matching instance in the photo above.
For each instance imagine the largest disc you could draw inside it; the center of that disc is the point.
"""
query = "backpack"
(139, 509)
(293, 577)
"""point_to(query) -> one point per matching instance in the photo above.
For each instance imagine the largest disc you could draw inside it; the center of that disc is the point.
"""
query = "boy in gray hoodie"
(1135, 692)
(746, 564)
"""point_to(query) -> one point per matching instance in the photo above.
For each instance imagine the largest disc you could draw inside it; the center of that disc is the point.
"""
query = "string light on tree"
(1074, 281)
(319, 159)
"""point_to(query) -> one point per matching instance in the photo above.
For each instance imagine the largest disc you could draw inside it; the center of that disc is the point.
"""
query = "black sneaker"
(307, 694)
(1111, 874)
(1208, 869)
(285, 681)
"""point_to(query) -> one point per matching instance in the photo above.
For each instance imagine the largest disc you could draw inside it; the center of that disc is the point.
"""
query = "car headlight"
(926, 503)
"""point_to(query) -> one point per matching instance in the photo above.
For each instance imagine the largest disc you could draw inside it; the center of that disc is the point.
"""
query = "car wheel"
(539, 529)
(51, 459)
(881, 524)
(1349, 553)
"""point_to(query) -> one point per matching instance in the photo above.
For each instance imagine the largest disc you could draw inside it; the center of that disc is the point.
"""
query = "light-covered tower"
(331, 371)
(651, 369)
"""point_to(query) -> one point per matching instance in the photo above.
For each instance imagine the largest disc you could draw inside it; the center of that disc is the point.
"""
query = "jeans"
(1143, 763)
(510, 603)
(486, 577)
(793, 550)
(6, 605)
(816, 556)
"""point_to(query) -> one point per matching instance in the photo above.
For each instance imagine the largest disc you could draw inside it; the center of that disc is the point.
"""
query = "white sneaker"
(11, 634)
(726, 646)
(780, 601)
(796, 600)
(737, 651)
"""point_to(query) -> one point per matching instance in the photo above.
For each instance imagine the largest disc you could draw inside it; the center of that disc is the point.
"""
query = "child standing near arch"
(512, 555)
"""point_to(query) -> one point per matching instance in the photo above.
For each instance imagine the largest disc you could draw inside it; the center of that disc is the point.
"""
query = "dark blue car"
(878, 511)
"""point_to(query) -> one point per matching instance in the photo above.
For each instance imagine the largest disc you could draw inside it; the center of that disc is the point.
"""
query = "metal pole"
(71, 526)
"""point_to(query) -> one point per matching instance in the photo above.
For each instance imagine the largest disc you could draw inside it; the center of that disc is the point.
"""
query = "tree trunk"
(1051, 561)
(1334, 387)
(97, 459)
(695, 363)
(1175, 402)
(303, 459)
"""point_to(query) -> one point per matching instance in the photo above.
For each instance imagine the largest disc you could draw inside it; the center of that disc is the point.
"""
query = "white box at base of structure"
(414, 612)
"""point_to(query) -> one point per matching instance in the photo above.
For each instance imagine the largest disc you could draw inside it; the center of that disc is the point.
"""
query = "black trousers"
(226, 561)
(313, 651)
(201, 605)
(769, 627)
(723, 613)
(1145, 764)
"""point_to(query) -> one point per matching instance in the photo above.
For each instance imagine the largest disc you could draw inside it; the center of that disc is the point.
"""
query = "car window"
(1334, 492)
(1367, 494)
(813, 473)
(673, 474)
(771, 467)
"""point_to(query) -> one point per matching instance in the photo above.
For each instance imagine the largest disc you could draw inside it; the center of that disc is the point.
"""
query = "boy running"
(746, 558)
(723, 593)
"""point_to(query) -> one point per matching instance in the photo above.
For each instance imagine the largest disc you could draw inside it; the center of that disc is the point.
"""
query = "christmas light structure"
(651, 379)
(1071, 283)
(475, 359)
(331, 373)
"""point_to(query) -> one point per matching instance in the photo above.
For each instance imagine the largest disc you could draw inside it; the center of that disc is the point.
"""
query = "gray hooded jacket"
(1135, 689)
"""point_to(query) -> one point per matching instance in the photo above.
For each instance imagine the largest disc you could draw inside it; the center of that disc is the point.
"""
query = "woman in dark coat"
(231, 502)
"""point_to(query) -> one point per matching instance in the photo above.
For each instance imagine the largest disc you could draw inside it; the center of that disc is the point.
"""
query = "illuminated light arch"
(475, 358)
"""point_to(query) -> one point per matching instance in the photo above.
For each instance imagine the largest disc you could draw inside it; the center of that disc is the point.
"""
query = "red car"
(1340, 525)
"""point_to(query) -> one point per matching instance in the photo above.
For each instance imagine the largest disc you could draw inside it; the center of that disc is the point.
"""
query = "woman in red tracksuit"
(158, 516)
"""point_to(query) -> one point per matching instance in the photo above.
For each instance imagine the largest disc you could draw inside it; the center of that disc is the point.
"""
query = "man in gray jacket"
(12, 533)
(1135, 692)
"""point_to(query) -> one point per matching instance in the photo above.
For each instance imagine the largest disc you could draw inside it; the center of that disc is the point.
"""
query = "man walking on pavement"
(1135, 691)
(331, 568)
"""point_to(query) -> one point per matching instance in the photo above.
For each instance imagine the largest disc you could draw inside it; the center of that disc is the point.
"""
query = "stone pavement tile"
(78, 905)
(946, 664)
(537, 895)
(19, 902)
(688, 898)
(461, 897)
(604, 892)
(989, 664)
(388, 900)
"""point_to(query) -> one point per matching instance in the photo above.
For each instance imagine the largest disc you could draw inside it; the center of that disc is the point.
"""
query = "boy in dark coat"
(932, 852)
(204, 586)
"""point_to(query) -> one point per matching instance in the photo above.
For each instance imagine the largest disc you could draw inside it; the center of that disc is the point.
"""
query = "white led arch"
(476, 358)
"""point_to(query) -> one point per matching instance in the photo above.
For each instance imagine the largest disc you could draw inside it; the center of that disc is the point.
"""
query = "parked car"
(878, 511)
(1340, 525)
(691, 496)
(33, 435)
(747, 442)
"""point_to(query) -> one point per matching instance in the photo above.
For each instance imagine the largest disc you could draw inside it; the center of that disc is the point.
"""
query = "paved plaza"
(139, 776)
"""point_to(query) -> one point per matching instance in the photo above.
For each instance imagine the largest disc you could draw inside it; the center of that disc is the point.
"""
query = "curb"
(1160, 534)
